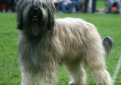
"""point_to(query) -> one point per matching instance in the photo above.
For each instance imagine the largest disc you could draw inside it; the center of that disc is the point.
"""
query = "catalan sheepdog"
(45, 42)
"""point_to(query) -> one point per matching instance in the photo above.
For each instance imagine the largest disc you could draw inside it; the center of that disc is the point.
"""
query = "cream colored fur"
(73, 42)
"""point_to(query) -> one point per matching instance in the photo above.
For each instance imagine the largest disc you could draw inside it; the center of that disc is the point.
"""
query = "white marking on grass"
(118, 66)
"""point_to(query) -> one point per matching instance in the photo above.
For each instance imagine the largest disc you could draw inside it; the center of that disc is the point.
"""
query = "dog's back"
(78, 29)
(76, 36)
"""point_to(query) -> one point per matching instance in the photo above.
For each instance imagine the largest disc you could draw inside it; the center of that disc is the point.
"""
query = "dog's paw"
(73, 83)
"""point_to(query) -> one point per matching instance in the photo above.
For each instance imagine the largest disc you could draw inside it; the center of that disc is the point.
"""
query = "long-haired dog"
(45, 42)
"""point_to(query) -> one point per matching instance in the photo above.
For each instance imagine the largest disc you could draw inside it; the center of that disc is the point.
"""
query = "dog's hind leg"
(96, 63)
(99, 71)
(77, 73)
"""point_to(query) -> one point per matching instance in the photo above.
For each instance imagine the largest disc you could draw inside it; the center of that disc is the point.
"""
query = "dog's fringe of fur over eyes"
(45, 42)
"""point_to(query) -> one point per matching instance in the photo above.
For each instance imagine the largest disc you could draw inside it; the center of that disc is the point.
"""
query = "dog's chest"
(33, 55)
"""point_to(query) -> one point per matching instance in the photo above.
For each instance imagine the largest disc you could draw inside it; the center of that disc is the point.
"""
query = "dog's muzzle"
(35, 13)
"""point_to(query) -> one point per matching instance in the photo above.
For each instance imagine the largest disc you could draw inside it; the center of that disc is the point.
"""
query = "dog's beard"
(35, 28)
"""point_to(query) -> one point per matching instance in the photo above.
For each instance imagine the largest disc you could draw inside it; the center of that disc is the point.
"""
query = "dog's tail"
(107, 43)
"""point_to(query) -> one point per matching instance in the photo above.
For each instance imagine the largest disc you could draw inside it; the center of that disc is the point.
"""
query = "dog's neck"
(37, 38)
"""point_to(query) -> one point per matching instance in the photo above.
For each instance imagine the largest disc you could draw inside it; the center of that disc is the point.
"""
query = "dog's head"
(35, 16)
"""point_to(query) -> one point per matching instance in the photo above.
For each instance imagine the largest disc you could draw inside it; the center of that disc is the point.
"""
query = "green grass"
(9, 68)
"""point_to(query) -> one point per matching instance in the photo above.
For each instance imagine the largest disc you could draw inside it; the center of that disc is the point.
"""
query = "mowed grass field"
(107, 25)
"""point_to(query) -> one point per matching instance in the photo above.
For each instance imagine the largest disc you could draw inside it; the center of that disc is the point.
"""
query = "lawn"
(9, 69)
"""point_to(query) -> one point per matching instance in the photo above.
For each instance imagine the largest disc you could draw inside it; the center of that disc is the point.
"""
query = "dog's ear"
(19, 12)
(19, 21)
(20, 25)
(51, 20)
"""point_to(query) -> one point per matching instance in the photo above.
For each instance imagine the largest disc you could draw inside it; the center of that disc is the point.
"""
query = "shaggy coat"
(46, 42)
(73, 42)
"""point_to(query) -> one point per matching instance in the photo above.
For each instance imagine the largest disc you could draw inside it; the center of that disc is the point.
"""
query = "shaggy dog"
(45, 42)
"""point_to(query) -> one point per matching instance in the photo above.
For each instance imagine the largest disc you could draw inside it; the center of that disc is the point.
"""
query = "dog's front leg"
(49, 75)
(27, 78)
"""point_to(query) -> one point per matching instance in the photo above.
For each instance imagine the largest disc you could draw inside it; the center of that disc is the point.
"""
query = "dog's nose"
(35, 10)
(35, 13)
